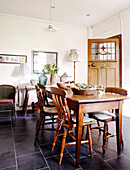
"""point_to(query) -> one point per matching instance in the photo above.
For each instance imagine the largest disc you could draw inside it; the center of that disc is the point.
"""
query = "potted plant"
(52, 70)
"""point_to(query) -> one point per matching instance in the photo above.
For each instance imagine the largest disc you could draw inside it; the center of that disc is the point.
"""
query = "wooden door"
(103, 62)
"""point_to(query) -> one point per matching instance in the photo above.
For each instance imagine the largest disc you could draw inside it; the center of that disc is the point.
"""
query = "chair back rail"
(116, 90)
(64, 87)
(40, 98)
(41, 86)
(59, 99)
(37, 88)
(71, 82)
(43, 90)
(7, 92)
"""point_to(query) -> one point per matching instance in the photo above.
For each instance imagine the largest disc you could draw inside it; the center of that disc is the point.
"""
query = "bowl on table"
(83, 89)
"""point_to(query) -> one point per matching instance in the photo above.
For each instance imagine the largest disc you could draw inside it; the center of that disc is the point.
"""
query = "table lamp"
(74, 57)
(23, 70)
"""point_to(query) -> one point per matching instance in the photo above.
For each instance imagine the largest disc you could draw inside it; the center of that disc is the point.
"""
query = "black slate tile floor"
(17, 150)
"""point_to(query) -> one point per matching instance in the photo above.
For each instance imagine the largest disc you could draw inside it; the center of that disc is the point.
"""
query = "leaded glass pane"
(113, 56)
(93, 57)
(113, 50)
(103, 51)
(113, 45)
(93, 45)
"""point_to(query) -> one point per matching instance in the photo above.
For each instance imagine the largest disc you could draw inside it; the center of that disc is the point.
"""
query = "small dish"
(90, 91)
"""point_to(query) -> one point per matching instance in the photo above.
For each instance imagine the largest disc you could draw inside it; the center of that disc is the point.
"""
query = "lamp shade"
(74, 55)
(23, 69)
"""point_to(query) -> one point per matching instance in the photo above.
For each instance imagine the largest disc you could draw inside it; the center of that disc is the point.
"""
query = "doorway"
(105, 62)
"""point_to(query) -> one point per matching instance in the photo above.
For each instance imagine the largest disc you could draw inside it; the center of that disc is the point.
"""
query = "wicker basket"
(83, 91)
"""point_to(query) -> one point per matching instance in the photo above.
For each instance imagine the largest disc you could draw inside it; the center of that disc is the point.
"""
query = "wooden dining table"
(93, 103)
(100, 101)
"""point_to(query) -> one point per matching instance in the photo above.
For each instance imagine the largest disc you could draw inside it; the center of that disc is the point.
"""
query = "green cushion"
(7, 92)
(10, 106)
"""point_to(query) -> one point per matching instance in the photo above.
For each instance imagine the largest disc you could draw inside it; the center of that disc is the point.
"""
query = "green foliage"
(51, 69)
(83, 86)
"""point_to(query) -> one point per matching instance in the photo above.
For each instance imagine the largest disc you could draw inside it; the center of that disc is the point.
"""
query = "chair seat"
(5, 101)
(50, 110)
(102, 116)
(85, 119)
(8, 106)
(59, 99)
(51, 104)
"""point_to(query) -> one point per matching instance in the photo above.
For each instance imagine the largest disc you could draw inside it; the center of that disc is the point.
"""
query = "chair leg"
(122, 142)
(82, 130)
(15, 114)
(55, 137)
(104, 137)
(63, 145)
(90, 140)
(98, 122)
(52, 122)
(87, 134)
(42, 125)
(40, 118)
(90, 127)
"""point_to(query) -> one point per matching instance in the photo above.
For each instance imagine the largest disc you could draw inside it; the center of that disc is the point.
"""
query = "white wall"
(118, 24)
(20, 35)
(107, 28)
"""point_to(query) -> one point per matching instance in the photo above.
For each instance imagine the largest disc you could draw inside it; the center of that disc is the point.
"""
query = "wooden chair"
(106, 116)
(7, 98)
(35, 107)
(45, 112)
(67, 121)
(69, 82)
(64, 87)
(43, 90)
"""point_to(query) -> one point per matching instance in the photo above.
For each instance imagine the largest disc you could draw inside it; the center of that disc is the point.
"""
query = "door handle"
(93, 65)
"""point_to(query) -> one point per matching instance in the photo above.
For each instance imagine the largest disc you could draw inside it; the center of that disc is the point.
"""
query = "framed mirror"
(41, 58)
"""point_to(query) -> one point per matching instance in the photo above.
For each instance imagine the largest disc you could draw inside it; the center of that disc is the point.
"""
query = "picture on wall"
(41, 58)
(13, 59)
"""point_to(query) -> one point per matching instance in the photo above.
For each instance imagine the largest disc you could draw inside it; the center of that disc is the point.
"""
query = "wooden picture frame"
(41, 58)
(12, 59)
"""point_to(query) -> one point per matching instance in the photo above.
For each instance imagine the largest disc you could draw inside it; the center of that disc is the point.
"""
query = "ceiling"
(66, 11)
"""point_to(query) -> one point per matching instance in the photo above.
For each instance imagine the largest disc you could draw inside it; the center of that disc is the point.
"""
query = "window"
(103, 51)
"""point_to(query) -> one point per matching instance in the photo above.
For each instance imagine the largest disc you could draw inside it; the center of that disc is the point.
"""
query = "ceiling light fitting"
(88, 15)
(50, 27)
(52, 6)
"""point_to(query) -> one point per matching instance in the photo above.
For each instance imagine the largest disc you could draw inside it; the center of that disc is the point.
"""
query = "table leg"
(79, 124)
(119, 127)
(25, 104)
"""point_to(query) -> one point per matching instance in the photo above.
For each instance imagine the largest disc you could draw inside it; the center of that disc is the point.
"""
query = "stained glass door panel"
(103, 62)
(103, 51)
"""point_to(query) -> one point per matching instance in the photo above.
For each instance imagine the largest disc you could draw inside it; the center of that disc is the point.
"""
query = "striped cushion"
(51, 110)
(51, 104)
(85, 119)
(101, 116)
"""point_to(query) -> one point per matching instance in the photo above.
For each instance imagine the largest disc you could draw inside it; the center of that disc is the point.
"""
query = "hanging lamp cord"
(50, 10)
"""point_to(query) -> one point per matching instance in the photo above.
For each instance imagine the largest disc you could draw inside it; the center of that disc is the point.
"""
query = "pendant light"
(50, 27)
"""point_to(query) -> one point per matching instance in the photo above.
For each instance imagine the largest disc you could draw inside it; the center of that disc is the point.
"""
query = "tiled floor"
(17, 150)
